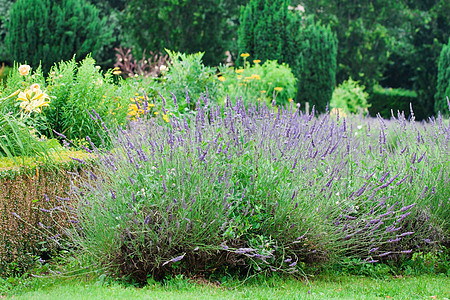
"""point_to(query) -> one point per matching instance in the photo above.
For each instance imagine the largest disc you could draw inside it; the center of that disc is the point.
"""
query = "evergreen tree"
(44, 31)
(443, 81)
(317, 48)
(267, 31)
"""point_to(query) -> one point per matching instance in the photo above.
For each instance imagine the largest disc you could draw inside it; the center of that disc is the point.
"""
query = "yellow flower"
(221, 78)
(165, 118)
(256, 76)
(239, 77)
(244, 55)
(24, 70)
(33, 99)
(263, 91)
(278, 89)
(256, 61)
(117, 72)
(334, 111)
(156, 112)
(290, 99)
(239, 71)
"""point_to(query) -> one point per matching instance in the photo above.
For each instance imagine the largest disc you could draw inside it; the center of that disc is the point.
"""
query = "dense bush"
(267, 31)
(317, 49)
(252, 189)
(188, 74)
(443, 81)
(42, 32)
(350, 97)
(388, 101)
(258, 82)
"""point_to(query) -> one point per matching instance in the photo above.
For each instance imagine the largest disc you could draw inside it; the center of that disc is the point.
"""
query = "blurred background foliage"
(381, 43)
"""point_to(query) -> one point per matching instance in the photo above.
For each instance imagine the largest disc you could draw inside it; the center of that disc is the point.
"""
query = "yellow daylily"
(33, 99)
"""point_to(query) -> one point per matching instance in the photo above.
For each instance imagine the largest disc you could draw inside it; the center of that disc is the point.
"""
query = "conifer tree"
(45, 31)
(267, 31)
(443, 81)
(317, 48)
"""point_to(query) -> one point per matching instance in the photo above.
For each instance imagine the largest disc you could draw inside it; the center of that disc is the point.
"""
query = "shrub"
(80, 89)
(44, 32)
(317, 48)
(388, 101)
(267, 31)
(443, 81)
(188, 75)
(258, 82)
(350, 97)
(241, 188)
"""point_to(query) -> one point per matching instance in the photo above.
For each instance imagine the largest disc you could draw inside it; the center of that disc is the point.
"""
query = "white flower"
(24, 70)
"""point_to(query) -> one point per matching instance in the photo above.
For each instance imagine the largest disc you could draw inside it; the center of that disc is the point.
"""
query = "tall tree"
(317, 50)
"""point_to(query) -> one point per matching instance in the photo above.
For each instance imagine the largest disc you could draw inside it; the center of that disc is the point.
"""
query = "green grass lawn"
(340, 287)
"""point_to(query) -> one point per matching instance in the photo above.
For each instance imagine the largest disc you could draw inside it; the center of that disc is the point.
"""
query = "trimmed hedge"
(28, 192)
(387, 100)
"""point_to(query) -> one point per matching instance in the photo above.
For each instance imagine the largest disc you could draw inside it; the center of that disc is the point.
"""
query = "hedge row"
(29, 194)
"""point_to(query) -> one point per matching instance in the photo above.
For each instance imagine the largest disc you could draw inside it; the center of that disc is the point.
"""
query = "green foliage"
(317, 48)
(186, 26)
(45, 32)
(20, 133)
(443, 81)
(258, 82)
(5, 6)
(350, 97)
(386, 101)
(79, 90)
(267, 31)
(187, 73)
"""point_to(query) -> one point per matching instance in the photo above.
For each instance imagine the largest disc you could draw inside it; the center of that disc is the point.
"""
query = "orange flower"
(239, 71)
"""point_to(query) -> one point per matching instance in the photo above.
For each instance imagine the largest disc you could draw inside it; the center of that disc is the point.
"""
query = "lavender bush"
(256, 188)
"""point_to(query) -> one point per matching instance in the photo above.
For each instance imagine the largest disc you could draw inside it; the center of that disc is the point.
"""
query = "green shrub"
(350, 97)
(78, 91)
(187, 73)
(267, 31)
(258, 82)
(44, 32)
(317, 48)
(386, 101)
(443, 81)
